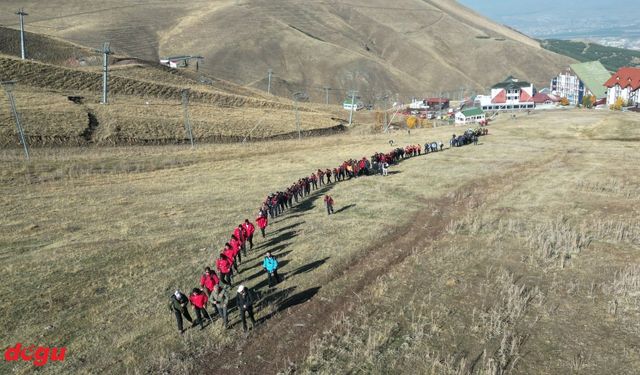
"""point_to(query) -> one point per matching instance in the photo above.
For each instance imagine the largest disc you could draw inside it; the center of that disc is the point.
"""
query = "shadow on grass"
(290, 226)
(344, 208)
(307, 267)
(284, 236)
(308, 202)
(279, 300)
(298, 298)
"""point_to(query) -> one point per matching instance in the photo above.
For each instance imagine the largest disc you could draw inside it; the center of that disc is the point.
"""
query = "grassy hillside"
(145, 106)
(406, 48)
(611, 57)
(517, 255)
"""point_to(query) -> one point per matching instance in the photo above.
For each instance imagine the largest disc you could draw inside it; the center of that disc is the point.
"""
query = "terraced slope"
(145, 107)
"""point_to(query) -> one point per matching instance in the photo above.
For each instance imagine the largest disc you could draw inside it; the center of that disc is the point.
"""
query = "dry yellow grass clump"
(441, 267)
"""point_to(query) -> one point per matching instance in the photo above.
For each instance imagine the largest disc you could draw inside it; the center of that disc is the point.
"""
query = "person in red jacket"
(329, 202)
(250, 228)
(235, 245)
(240, 234)
(230, 253)
(262, 223)
(224, 267)
(199, 301)
(208, 280)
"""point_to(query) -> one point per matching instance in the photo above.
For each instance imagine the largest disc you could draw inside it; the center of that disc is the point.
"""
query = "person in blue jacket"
(270, 264)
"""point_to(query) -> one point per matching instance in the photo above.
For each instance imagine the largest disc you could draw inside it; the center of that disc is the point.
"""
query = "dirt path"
(282, 342)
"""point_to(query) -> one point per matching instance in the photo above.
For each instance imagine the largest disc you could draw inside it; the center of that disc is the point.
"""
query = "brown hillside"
(405, 47)
(145, 107)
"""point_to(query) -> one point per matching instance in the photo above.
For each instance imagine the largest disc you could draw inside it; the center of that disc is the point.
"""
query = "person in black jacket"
(245, 299)
(178, 305)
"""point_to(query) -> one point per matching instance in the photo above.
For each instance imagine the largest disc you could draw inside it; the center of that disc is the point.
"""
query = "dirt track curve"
(282, 342)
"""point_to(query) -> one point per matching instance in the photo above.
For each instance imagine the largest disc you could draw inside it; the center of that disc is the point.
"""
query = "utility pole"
(8, 88)
(295, 96)
(353, 99)
(270, 71)
(106, 51)
(185, 110)
(326, 94)
(23, 50)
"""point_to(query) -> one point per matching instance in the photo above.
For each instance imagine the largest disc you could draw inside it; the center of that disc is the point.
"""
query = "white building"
(470, 116)
(510, 94)
(625, 84)
(581, 80)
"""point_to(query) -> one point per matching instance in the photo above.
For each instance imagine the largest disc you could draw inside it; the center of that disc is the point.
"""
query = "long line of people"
(214, 287)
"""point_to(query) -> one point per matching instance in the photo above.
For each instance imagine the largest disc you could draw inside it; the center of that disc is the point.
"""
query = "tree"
(588, 101)
(619, 103)
(412, 121)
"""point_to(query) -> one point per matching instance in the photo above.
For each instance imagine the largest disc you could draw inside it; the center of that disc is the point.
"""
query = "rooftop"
(625, 77)
(473, 111)
(593, 75)
(511, 83)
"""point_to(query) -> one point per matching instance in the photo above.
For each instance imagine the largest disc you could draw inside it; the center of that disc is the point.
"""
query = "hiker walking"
(223, 265)
(270, 264)
(208, 280)
(262, 223)
(199, 301)
(250, 229)
(329, 202)
(245, 299)
(220, 299)
(178, 304)
(240, 235)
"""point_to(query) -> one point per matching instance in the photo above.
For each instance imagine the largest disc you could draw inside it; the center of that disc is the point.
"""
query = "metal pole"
(326, 95)
(298, 119)
(269, 84)
(8, 88)
(353, 98)
(23, 50)
(106, 51)
(185, 110)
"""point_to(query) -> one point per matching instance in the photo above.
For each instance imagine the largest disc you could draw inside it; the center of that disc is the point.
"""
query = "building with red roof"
(625, 84)
(510, 94)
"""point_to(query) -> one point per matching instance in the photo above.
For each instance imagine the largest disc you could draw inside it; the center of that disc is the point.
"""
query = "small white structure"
(356, 104)
(510, 94)
(625, 84)
(472, 115)
(418, 104)
(176, 62)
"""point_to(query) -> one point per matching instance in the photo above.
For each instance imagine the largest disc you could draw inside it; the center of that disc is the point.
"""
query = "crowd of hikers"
(215, 284)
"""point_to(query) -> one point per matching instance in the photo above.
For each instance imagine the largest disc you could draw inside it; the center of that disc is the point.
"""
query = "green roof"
(511, 83)
(593, 75)
(474, 111)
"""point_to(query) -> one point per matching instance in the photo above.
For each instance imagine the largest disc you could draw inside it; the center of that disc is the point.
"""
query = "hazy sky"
(553, 16)
(501, 8)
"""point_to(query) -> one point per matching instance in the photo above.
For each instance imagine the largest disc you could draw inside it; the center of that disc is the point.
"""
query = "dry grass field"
(519, 255)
